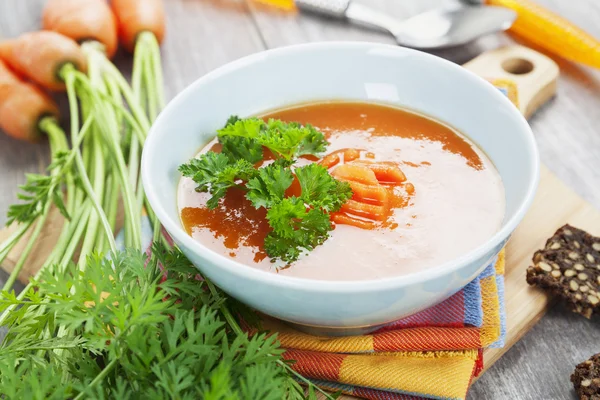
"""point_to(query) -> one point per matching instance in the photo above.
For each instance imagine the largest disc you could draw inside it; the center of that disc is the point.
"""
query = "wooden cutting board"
(535, 77)
(555, 204)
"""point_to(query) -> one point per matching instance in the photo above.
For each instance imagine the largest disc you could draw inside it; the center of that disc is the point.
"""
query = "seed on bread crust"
(586, 379)
(567, 267)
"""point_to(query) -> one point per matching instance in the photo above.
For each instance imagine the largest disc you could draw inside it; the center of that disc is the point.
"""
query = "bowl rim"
(315, 285)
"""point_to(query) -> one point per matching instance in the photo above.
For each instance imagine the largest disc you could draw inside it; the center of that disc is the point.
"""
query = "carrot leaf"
(40, 191)
(135, 327)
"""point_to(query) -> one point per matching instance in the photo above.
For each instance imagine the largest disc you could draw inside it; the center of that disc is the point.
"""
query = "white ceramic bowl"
(348, 71)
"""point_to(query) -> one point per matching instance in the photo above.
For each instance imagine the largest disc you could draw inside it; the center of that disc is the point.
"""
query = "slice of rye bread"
(586, 379)
(569, 267)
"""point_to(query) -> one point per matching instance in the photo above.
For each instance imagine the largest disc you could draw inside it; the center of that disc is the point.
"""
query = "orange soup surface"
(452, 199)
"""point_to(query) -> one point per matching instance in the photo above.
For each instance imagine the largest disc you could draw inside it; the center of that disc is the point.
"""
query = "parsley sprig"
(299, 223)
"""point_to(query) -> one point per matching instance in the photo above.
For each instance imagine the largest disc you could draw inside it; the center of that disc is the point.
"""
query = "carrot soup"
(422, 194)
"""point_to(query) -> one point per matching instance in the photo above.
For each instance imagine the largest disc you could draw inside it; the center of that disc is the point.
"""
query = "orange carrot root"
(371, 181)
(7, 78)
(345, 155)
(22, 106)
(344, 219)
(137, 16)
(384, 171)
(376, 193)
(355, 173)
(330, 160)
(82, 21)
(350, 154)
(371, 211)
(39, 56)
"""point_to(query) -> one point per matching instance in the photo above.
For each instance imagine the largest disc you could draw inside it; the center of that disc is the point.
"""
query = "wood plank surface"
(204, 34)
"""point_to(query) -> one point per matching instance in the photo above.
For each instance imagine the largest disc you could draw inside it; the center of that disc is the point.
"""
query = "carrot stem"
(109, 127)
(105, 371)
(150, 40)
(60, 255)
(147, 87)
(74, 197)
(89, 190)
(129, 96)
(113, 96)
(148, 74)
(13, 239)
(111, 202)
(155, 224)
(98, 188)
(136, 84)
(56, 145)
(27, 250)
(116, 105)
(78, 230)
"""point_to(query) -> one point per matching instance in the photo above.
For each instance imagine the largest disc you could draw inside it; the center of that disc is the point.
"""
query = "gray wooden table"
(204, 34)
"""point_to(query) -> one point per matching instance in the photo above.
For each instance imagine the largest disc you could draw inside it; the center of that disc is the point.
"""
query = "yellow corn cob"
(552, 32)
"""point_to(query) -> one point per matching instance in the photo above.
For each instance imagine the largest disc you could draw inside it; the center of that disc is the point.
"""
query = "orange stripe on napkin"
(427, 339)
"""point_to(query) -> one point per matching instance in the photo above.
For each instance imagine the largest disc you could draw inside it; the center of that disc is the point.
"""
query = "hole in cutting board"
(517, 66)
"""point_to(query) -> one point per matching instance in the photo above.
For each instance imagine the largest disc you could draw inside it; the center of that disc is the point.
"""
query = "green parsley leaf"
(292, 140)
(236, 147)
(285, 140)
(249, 128)
(215, 173)
(232, 120)
(313, 143)
(269, 186)
(296, 228)
(320, 189)
(241, 148)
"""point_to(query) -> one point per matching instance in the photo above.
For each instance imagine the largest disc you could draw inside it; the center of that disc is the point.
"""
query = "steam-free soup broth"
(450, 201)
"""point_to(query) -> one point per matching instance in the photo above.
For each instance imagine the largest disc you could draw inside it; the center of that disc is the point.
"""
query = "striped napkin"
(433, 354)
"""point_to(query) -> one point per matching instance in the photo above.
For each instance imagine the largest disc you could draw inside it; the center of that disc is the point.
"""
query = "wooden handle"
(534, 75)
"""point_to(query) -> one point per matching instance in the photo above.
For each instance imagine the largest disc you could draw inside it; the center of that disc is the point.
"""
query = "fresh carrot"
(40, 56)
(137, 16)
(342, 155)
(345, 219)
(22, 106)
(385, 172)
(373, 193)
(82, 21)
(330, 160)
(370, 211)
(355, 173)
(7, 78)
